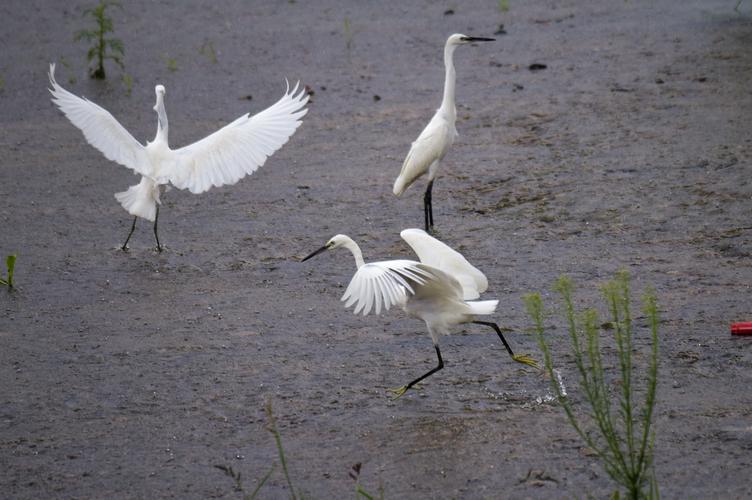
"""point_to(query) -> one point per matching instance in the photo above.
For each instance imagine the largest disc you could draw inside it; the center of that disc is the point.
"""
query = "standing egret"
(439, 289)
(432, 144)
(224, 157)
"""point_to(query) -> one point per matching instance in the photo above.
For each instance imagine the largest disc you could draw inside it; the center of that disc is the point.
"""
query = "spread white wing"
(388, 283)
(436, 254)
(100, 128)
(240, 148)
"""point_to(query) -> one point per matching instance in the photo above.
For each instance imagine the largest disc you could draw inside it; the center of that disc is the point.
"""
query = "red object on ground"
(744, 328)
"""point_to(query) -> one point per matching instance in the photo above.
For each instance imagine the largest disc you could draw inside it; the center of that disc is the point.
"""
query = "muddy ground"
(131, 375)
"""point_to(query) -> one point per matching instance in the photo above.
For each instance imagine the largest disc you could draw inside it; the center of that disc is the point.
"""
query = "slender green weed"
(348, 32)
(128, 82)
(102, 48)
(623, 437)
(360, 492)
(207, 49)
(10, 264)
(236, 476)
(172, 63)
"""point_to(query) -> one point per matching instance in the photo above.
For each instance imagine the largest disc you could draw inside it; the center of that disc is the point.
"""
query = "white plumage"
(437, 289)
(435, 140)
(224, 157)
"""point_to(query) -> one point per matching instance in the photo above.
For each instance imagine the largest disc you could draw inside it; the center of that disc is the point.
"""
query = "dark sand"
(130, 375)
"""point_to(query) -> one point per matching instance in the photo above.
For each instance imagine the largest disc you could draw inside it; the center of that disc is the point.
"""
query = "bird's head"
(334, 242)
(460, 39)
(159, 90)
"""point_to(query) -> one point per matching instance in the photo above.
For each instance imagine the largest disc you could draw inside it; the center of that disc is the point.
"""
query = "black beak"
(314, 254)
(478, 39)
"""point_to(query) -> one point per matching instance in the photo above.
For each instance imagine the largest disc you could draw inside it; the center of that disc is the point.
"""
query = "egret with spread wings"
(440, 289)
(433, 143)
(224, 157)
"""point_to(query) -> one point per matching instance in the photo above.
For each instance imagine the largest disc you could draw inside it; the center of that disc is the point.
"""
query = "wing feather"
(240, 148)
(100, 128)
(438, 285)
(439, 255)
(381, 285)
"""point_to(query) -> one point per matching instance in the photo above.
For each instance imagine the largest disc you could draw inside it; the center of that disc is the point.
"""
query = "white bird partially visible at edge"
(440, 289)
(433, 143)
(224, 157)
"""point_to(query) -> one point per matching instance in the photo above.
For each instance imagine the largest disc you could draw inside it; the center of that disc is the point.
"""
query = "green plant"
(504, 5)
(272, 427)
(347, 28)
(236, 476)
(10, 264)
(359, 490)
(102, 47)
(622, 438)
(172, 64)
(207, 49)
(128, 82)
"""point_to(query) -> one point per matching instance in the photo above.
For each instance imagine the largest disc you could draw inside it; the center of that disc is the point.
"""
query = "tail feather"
(141, 200)
(483, 306)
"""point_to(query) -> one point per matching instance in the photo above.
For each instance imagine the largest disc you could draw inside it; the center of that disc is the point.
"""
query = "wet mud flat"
(131, 375)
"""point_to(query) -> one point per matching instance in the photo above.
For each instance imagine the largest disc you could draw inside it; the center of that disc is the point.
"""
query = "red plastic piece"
(744, 328)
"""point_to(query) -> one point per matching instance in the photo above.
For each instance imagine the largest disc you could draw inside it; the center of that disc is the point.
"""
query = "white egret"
(439, 289)
(432, 144)
(223, 157)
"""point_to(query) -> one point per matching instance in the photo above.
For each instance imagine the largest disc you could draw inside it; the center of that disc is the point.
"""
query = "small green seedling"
(10, 263)
(235, 475)
(172, 64)
(347, 28)
(128, 82)
(503, 5)
(361, 492)
(207, 49)
(102, 47)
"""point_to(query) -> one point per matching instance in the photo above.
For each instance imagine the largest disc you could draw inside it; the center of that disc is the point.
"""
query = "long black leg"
(430, 372)
(156, 219)
(133, 228)
(430, 203)
(428, 206)
(498, 331)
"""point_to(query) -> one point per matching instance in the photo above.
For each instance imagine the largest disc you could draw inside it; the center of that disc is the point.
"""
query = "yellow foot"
(398, 392)
(525, 360)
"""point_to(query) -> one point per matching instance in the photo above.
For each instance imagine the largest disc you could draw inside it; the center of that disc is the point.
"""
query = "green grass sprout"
(102, 47)
(10, 264)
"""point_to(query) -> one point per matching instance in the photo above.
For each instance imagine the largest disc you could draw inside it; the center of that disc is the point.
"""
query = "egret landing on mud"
(432, 144)
(224, 157)
(439, 289)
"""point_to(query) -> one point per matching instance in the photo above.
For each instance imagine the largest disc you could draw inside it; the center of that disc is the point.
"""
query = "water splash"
(560, 381)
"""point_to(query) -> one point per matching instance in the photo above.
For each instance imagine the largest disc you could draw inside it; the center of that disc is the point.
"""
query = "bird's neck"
(162, 124)
(447, 103)
(355, 250)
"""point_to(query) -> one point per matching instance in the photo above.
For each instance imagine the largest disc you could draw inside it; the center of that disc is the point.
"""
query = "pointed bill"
(314, 254)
